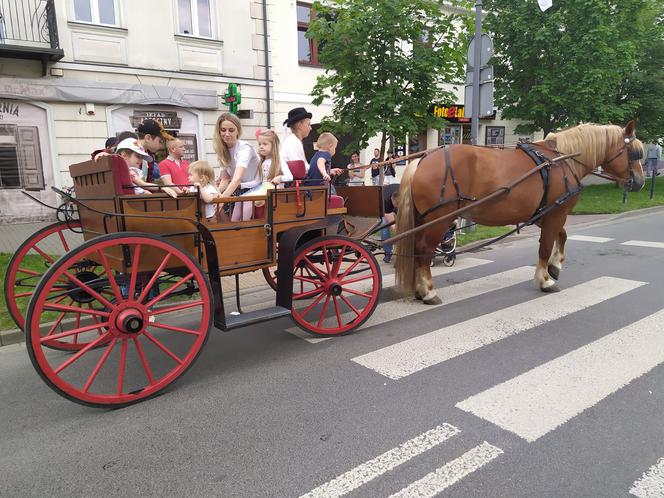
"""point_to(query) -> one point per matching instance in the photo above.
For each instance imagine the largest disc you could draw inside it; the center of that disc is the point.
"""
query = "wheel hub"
(334, 288)
(129, 321)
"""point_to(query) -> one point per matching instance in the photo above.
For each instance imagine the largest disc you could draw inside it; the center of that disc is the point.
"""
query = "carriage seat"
(299, 170)
(87, 177)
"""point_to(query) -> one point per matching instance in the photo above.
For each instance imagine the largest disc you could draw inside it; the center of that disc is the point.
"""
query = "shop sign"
(168, 119)
(8, 108)
(452, 113)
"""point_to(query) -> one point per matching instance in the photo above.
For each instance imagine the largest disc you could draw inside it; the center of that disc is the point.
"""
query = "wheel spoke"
(337, 264)
(80, 353)
(305, 279)
(174, 328)
(316, 270)
(336, 310)
(64, 242)
(349, 304)
(100, 363)
(72, 309)
(351, 268)
(169, 290)
(312, 305)
(23, 294)
(163, 348)
(144, 360)
(327, 260)
(28, 272)
(69, 333)
(156, 274)
(134, 273)
(356, 292)
(324, 312)
(178, 307)
(43, 254)
(121, 368)
(357, 279)
(89, 290)
(111, 278)
(56, 324)
(311, 293)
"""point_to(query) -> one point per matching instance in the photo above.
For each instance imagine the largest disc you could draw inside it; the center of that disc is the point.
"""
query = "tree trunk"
(383, 140)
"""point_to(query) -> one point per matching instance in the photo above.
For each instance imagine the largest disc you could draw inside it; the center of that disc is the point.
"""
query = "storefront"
(26, 161)
(185, 124)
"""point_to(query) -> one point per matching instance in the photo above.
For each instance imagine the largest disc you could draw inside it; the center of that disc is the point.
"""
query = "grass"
(480, 233)
(30, 262)
(607, 198)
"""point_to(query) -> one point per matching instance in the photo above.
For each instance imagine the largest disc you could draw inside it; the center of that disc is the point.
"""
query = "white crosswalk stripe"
(442, 478)
(538, 401)
(383, 463)
(651, 483)
(644, 243)
(385, 312)
(589, 238)
(412, 355)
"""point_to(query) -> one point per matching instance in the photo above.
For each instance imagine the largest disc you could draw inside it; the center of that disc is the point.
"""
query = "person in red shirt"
(174, 170)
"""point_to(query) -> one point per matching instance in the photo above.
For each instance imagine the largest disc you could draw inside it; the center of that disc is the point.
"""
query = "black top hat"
(297, 114)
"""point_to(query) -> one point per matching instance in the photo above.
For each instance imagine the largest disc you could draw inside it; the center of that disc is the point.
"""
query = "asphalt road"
(502, 391)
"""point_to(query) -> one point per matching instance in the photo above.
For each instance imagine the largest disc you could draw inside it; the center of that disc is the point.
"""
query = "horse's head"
(623, 159)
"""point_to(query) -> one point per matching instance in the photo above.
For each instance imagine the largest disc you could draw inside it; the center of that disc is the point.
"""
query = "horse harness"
(542, 165)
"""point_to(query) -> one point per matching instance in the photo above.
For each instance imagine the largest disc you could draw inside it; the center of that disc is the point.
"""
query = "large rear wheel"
(339, 288)
(143, 316)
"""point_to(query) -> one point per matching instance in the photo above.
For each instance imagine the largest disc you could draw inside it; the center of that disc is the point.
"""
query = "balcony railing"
(28, 30)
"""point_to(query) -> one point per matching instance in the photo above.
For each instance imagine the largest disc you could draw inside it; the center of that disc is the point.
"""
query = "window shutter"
(29, 158)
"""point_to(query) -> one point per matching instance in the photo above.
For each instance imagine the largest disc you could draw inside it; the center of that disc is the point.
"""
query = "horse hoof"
(418, 297)
(433, 300)
(551, 288)
(554, 272)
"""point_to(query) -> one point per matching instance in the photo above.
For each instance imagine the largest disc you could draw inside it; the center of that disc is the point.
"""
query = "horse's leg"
(424, 248)
(558, 257)
(551, 226)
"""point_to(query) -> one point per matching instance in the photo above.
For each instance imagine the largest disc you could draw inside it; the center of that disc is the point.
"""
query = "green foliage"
(577, 61)
(385, 63)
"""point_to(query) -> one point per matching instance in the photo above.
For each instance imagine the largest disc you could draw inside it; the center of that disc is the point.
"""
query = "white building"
(74, 72)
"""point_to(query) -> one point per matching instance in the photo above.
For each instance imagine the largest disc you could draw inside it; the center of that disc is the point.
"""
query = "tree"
(385, 62)
(575, 62)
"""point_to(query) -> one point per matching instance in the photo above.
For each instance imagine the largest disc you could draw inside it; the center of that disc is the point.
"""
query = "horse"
(459, 176)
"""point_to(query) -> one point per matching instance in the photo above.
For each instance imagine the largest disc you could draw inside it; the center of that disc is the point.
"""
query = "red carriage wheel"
(299, 273)
(140, 329)
(340, 287)
(31, 261)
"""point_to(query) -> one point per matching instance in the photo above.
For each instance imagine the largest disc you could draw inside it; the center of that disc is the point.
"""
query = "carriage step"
(253, 317)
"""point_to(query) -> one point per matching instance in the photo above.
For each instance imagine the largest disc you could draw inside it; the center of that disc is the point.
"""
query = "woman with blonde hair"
(239, 163)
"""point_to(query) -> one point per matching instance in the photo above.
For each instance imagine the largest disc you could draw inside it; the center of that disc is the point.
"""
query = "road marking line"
(651, 484)
(589, 238)
(372, 469)
(644, 243)
(412, 355)
(388, 281)
(544, 398)
(452, 472)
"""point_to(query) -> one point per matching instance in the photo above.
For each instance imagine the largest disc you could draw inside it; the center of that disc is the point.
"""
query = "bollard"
(652, 183)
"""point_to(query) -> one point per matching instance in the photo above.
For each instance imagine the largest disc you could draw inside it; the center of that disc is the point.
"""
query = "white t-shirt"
(286, 175)
(210, 209)
(292, 149)
(244, 155)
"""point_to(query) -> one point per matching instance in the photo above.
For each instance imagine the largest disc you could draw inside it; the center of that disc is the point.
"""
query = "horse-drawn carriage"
(123, 315)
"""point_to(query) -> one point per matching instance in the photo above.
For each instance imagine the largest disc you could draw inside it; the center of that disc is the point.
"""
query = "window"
(194, 18)
(96, 11)
(495, 135)
(307, 50)
(20, 158)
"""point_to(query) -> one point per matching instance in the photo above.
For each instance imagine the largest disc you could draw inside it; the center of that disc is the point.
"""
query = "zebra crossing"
(529, 405)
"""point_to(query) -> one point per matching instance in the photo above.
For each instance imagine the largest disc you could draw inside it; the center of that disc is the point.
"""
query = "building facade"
(75, 72)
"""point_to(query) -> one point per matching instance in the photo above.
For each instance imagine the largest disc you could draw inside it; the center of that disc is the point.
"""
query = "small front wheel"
(339, 287)
(141, 316)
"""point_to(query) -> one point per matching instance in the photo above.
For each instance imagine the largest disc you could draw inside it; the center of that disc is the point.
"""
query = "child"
(133, 154)
(320, 167)
(201, 176)
(274, 171)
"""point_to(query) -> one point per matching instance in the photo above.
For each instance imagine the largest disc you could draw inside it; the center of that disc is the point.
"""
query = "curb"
(12, 336)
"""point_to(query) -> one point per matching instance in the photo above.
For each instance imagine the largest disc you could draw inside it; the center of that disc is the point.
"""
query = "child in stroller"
(447, 247)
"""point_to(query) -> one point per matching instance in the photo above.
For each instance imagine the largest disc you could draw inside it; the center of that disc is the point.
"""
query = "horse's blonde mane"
(592, 141)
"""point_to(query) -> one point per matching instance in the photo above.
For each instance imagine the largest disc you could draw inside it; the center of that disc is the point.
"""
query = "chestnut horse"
(445, 181)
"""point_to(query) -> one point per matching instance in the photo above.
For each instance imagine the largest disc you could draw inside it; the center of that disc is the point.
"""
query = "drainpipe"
(267, 66)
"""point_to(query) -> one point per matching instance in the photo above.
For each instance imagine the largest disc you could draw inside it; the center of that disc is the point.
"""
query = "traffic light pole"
(475, 118)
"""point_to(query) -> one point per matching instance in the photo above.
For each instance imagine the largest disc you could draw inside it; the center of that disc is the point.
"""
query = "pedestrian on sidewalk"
(653, 154)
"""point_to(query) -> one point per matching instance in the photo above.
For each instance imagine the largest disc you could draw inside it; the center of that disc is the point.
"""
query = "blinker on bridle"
(632, 155)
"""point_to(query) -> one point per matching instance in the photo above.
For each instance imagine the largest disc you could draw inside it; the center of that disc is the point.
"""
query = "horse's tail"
(404, 265)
